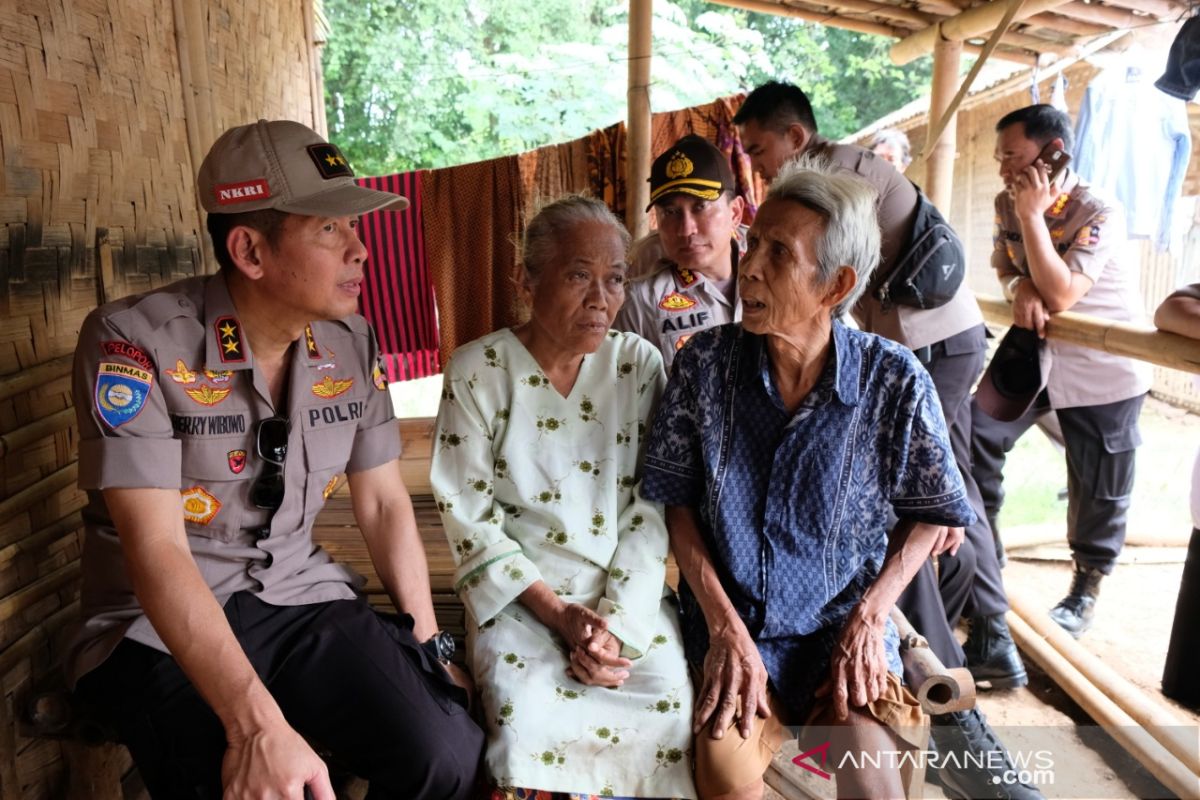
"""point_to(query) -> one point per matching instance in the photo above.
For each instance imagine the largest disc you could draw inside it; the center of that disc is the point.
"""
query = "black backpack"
(932, 267)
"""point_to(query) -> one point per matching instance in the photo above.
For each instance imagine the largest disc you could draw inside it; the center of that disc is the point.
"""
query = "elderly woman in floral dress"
(572, 635)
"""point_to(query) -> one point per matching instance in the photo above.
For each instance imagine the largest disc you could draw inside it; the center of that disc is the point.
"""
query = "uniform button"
(184, 303)
(262, 533)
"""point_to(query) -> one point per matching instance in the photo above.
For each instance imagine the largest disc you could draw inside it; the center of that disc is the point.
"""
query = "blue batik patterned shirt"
(795, 507)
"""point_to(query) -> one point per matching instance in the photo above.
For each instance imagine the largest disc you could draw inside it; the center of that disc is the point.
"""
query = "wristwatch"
(440, 647)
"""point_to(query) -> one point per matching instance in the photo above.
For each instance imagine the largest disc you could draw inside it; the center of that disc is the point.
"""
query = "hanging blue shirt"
(795, 507)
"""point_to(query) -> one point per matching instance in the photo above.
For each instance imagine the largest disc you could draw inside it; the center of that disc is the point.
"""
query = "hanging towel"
(397, 294)
(471, 214)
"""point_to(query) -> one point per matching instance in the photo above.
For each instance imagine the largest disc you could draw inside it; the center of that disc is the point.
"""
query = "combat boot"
(971, 763)
(992, 655)
(1075, 612)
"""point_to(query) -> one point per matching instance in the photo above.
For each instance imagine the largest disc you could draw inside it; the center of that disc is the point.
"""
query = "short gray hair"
(539, 243)
(895, 139)
(847, 204)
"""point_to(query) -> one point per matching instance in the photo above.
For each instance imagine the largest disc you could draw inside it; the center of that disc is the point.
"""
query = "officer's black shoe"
(992, 655)
(1075, 612)
(971, 763)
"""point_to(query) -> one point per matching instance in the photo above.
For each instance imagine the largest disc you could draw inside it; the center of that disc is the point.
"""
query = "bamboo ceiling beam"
(1059, 23)
(951, 111)
(916, 18)
(1107, 16)
(1162, 9)
(861, 26)
(637, 126)
(967, 25)
(1119, 338)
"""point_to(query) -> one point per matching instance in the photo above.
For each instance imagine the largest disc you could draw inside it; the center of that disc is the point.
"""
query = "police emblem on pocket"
(237, 461)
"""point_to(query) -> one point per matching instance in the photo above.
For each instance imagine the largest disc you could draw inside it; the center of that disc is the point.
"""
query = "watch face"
(445, 645)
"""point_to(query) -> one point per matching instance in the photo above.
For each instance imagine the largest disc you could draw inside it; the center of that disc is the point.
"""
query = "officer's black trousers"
(1101, 443)
(969, 582)
(355, 683)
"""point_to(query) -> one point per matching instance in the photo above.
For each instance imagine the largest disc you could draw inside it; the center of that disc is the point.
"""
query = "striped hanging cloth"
(397, 296)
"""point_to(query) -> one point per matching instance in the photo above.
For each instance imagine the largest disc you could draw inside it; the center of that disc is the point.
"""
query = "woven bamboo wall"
(96, 201)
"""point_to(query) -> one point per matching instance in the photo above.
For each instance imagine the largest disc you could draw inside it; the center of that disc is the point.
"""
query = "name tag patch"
(209, 425)
(121, 392)
(696, 319)
(332, 415)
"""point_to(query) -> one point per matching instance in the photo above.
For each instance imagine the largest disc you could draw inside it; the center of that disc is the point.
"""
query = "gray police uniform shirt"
(896, 205)
(1088, 232)
(667, 305)
(167, 395)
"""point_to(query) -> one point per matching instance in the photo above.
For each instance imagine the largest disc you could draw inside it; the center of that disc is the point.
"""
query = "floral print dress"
(533, 485)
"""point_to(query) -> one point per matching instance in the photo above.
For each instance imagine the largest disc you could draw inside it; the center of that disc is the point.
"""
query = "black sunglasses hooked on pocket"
(271, 445)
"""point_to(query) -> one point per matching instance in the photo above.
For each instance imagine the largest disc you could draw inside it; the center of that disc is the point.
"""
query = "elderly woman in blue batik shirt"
(784, 449)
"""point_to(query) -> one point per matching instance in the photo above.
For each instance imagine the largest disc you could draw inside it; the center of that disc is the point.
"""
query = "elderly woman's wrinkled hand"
(733, 672)
(577, 624)
(858, 667)
(599, 662)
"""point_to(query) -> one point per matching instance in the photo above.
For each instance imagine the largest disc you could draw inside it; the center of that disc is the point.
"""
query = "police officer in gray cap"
(215, 416)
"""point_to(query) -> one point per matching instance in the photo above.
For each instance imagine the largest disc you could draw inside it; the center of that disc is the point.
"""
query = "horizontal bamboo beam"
(1100, 15)
(1059, 24)
(38, 429)
(967, 25)
(1119, 338)
(862, 26)
(1163, 9)
(36, 492)
(22, 381)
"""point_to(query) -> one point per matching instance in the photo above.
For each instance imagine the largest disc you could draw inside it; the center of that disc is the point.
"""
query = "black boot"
(1074, 613)
(992, 655)
(962, 740)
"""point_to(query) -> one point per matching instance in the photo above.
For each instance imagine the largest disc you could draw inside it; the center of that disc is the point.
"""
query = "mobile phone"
(1055, 159)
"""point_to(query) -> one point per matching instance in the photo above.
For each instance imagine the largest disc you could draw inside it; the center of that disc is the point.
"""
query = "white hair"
(847, 205)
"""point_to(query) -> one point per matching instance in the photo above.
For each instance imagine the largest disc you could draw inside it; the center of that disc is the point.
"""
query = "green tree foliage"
(428, 83)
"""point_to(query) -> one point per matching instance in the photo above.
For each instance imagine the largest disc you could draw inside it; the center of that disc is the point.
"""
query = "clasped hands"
(595, 651)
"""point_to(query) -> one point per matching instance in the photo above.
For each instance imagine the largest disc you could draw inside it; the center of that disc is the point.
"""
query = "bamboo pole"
(1119, 338)
(951, 112)
(939, 159)
(316, 91)
(191, 49)
(1119, 725)
(17, 383)
(1163, 724)
(38, 429)
(969, 24)
(54, 482)
(637, 127)
(858, 25)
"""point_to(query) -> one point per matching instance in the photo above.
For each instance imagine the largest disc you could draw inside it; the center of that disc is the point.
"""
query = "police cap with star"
(287, 166)
(692, 165)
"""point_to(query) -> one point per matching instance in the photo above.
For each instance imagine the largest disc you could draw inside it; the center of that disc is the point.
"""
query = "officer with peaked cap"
(215, 416)
(692, 284)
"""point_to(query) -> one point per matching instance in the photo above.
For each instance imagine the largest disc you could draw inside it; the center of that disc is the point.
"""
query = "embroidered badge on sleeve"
(121, 392)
